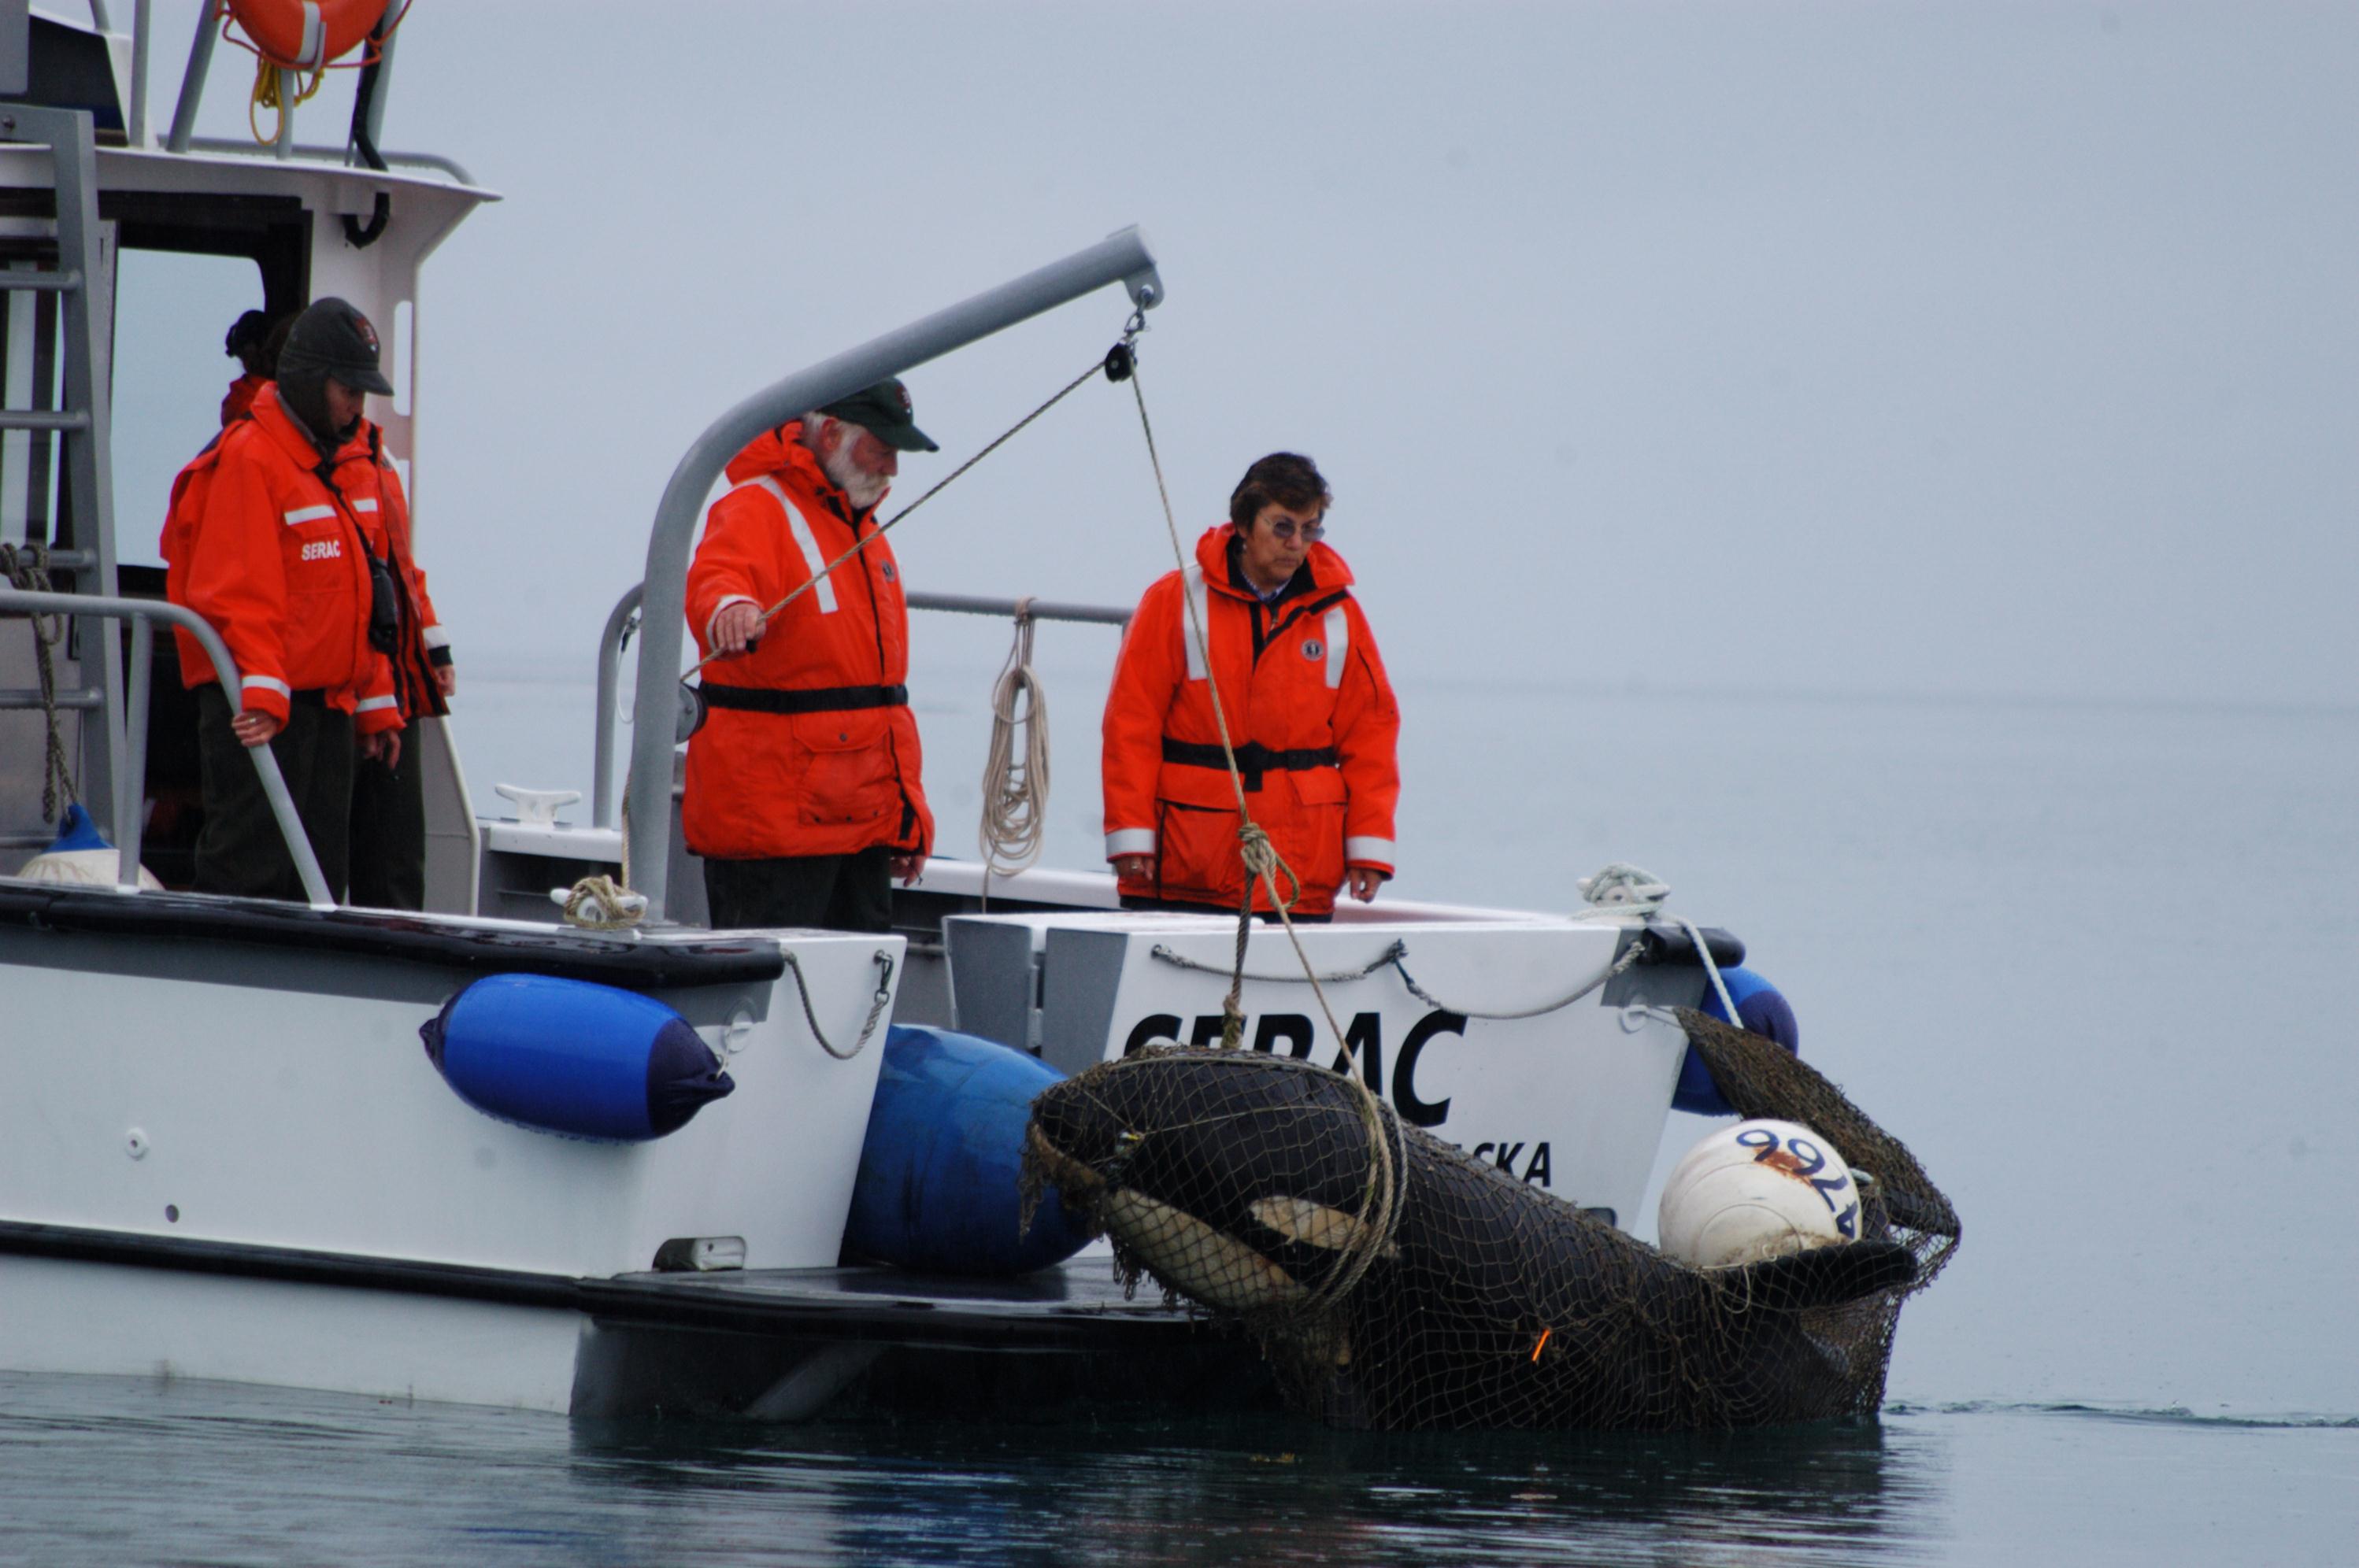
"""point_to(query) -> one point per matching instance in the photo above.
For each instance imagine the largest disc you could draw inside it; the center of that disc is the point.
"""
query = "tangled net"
(1396, 1282)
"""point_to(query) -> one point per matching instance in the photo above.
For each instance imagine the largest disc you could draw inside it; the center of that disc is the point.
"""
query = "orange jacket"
(240, 397)
(1306, 697)
(843, 775)
(257, 544)
(364, 472)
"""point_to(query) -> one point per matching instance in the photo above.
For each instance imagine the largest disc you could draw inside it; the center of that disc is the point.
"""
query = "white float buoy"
(81, 857)
(1759, 1189)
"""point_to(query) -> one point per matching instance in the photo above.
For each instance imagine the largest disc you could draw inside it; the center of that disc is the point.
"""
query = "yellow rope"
(267, 94)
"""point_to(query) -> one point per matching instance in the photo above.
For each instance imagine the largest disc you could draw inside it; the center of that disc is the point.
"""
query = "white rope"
(1703, 955)
(1623, 888)
(1015, 787)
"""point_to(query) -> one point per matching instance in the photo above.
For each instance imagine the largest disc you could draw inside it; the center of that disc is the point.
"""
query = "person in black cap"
(804, 793)
(265, 540)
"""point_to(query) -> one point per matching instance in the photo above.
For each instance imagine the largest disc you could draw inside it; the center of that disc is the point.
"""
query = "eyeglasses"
(1311, 532)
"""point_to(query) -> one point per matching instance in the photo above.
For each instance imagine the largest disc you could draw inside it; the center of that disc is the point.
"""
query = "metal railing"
(130, 784)
(625, 619)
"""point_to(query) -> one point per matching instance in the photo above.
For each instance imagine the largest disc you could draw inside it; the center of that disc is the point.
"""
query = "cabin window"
(172, 309)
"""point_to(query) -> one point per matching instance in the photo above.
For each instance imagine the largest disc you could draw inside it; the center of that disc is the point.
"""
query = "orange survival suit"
(809, 748)
(1309, 708)
(257, 544)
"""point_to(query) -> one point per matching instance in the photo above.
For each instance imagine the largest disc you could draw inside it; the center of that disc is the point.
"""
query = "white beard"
(863, 488)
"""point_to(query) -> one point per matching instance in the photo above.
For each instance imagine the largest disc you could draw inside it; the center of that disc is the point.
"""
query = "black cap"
(331, 339)
(883, 410)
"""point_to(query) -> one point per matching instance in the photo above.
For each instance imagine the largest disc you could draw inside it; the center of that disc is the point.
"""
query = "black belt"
(814, 699)
(1254, 759)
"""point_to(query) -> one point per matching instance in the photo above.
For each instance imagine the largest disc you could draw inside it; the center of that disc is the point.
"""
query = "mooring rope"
(877, 1003)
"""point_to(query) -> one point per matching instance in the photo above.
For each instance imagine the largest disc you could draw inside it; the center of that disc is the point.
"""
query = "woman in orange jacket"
(1310, 712)
(264, 543)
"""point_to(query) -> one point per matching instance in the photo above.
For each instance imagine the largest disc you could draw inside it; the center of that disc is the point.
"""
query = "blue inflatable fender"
(567, 1056)
(1760, 1009)
(941, 1178)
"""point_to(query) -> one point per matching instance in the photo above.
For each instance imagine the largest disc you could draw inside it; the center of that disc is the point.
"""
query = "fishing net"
(1394, 1281)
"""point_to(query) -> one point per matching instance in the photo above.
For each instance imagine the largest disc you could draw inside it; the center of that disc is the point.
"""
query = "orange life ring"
(304, 35)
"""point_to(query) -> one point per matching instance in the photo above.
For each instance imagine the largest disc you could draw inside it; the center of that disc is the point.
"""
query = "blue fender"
(940, 1185)
(569, 1057)
(1760, 1009)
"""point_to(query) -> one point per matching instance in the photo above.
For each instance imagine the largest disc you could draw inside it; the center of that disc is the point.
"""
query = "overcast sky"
(1966, 348)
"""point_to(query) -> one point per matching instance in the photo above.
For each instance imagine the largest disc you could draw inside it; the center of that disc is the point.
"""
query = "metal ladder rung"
(44, 419)
(15, 282)
(19, 699)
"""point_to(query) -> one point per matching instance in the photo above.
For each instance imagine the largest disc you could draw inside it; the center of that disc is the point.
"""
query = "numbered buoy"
(1759, 1189)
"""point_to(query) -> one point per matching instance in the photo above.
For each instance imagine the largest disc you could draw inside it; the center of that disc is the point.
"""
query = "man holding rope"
(1309, 712)
(804, 793)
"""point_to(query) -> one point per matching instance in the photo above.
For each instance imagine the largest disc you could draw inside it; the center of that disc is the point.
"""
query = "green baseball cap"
(883, 410)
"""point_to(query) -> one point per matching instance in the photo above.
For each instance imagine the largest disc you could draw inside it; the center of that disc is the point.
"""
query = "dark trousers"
(388, 831)
(834, 892)
(1182, 906)
(239, 849)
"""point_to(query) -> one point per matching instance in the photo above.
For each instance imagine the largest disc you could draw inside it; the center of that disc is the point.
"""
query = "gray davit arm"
(1121, 258)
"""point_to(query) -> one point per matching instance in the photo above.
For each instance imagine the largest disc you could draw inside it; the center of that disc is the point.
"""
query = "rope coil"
(1015, 787)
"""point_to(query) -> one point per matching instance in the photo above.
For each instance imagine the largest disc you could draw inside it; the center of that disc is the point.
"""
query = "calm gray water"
(2092, 962)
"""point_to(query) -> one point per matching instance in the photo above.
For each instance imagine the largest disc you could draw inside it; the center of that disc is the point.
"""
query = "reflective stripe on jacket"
(1307, 705)
(257, 544)
(763, 784)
